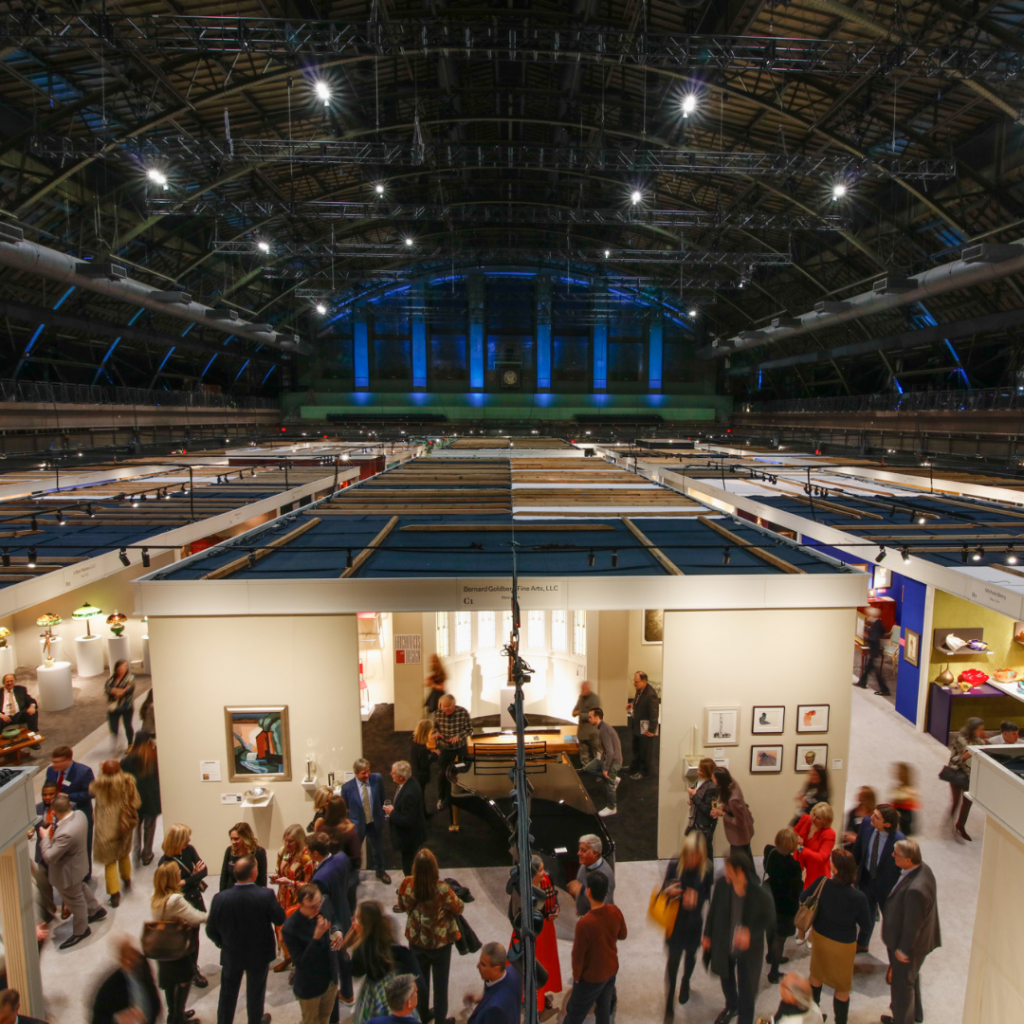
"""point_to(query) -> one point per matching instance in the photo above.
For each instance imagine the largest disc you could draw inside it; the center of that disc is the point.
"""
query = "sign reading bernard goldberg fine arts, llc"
(495, 593)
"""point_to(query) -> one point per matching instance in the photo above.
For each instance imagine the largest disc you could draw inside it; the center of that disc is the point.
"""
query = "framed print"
(881, 578)
(911, 647)
(258, 743)
(652, 629)
(808, 754)
(721, 727)
(765, 758)
(768, 720)
(812, 717)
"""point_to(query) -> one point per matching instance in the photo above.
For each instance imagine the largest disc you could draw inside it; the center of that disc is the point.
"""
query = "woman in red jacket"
(817, 838)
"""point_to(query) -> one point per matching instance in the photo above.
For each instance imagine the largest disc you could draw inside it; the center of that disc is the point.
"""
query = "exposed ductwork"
(110, 278)
(977, 265)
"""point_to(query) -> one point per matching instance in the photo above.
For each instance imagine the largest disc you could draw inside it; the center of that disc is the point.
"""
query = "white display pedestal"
(6, 660)
(56, 649)
(146, 667)
(55, 692)
(118, 647)
(89, 654)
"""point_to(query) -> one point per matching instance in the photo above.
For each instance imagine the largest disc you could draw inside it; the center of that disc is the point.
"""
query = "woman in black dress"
(243, 844)
(178, 849)
(785, 879)
(421, 757)
(702, 800)
(687, 880)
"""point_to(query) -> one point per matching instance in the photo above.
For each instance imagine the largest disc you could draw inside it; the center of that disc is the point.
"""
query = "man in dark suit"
(402, 996)
(405, 815)
(330, 876)
(17, 707)
(10, 1000)
(241, 925)
(502, 999)
(643, 724)
(876, 869)
(129, 993)
(365, 798)
(910, 931)
(74, 780)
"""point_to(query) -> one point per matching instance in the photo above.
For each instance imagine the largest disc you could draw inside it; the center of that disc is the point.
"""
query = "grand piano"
(560, 808)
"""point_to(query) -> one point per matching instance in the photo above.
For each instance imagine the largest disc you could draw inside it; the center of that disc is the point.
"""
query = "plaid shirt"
(455, 728)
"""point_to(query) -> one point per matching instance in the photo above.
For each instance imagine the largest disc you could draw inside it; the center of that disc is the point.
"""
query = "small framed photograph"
(653, 626)
(809, 754)
(812, 717)
(768, 720)
(912, 647)
(765, 759)
(722, 727)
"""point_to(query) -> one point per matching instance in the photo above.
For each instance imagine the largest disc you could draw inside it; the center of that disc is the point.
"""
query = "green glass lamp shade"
(87, 612)
(49, 620)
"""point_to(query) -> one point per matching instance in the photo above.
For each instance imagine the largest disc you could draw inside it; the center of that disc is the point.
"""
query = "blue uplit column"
(361, 354)
(419, 340)
(477, 296)
(542, 294)
(655, 354)
(601, 339)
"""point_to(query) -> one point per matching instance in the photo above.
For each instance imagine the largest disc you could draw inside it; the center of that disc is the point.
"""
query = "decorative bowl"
(257, 793)
(11, 732)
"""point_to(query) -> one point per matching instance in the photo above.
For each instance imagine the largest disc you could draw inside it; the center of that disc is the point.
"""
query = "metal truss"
(296, 41)
(372, 250)
(179, 148)
(503, 213)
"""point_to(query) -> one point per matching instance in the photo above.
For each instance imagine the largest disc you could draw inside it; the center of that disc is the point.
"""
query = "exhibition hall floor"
(879, 737)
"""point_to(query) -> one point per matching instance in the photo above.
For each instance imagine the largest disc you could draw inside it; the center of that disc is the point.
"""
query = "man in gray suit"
(910, 930)
(65, 849)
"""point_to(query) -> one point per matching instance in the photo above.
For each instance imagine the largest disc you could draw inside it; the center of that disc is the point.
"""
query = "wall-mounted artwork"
(808, 754)
(721, 727)
(258, 745)
(812, 717)
(912, 647)
(768, 720)
(653, 631)
(765, 759)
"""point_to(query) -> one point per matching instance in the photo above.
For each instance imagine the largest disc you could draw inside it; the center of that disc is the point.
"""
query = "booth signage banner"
(995, 597)
(495, 594)
(407, 649)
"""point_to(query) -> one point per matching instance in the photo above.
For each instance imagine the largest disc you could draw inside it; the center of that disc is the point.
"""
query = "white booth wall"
(745, 658)
(202, 665)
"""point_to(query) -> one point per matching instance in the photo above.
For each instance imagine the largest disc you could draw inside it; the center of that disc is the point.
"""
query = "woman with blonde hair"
(431, 928)
(687, 880)
(320, 798)
(816, 839)
(168, 904)
(294, 870)
(421, 757)
(178, 849)
(116, 815)
(784, 877)
(243, 843)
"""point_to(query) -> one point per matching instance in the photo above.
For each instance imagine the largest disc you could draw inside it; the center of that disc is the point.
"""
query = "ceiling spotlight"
(636, 197)
(263, 246)
(963, 554)
(323, 92)
(252, 559)
(157, 177)
(726, 556)
(905, 552)
(921, 520)
(615, 559)
(979, 554)
(607, 253)
(60, 518)
(123, 555)
(6, 556)
(689, 104)
(379, 189)
(89, 512)
(1011, 555)
(35, 525)
(31, 558)
(408, 241)
(590, 557)
(348, 559)
(145, 558)
(321, 308)
(693, 312)
(838, 191)
(881, 556)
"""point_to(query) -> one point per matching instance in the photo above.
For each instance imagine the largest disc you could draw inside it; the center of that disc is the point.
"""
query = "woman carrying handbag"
(958, 772)
(178, 849)
(159, 943)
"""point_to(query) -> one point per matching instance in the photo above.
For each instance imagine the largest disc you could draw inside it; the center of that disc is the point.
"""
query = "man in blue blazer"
(330, 876)
(241, 925)
(502, 1001)
(365, 798)
(877, 871)
(73, 780)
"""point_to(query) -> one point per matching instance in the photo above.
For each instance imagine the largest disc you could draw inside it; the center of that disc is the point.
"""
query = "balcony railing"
(84, 394)
(914, 401)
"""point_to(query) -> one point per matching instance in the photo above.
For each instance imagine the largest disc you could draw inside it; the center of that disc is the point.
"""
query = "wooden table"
(13, 748)
(559, 739)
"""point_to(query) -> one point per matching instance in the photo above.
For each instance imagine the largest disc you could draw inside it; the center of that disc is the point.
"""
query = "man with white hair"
(452, 729)
(405, 815)
(797, 1005)
(590, 855)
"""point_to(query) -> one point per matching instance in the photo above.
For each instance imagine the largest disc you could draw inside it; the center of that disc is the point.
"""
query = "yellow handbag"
(663, 911)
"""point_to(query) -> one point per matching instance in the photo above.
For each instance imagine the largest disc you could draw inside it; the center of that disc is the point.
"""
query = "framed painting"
(768, 720)
(258, 743)
(765, 758)
(809, 754)
(911, 647)
(721, 727)
(653, 626)
(812, 717)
